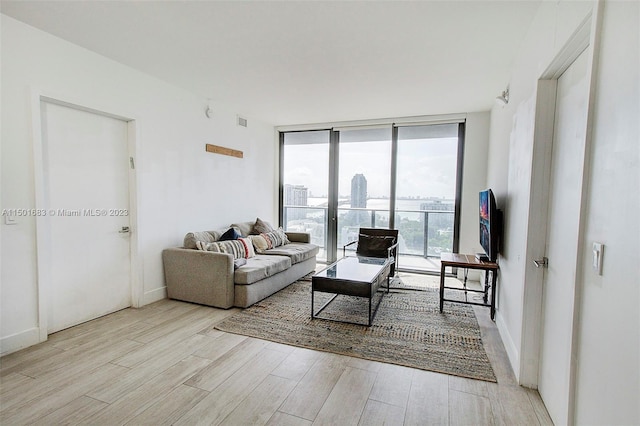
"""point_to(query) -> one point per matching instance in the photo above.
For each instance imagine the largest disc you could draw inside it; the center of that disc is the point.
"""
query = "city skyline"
(299, 195)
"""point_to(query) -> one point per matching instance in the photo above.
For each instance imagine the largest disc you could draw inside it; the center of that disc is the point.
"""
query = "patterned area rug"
(408, 329)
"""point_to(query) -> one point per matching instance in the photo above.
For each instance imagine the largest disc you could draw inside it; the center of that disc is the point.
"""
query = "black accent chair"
(377, 242)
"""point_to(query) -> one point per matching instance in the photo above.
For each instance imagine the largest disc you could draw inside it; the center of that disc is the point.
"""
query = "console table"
(469, 261)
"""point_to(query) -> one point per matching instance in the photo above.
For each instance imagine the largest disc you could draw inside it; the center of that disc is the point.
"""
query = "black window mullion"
(281, 182)
(458, 200)
(392, 183)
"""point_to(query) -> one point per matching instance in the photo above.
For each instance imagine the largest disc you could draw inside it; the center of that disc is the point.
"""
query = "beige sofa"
(210, 278)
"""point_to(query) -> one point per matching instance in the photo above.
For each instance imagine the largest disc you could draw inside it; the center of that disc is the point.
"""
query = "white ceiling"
(307, 61)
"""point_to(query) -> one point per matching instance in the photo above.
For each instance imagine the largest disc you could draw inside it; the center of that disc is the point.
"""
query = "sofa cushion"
(248, 245)
(240, 248)
(261, 227)
(239, 262)
(245, 228)
(204, 236)
(259, 242)
(297, 252)
(260, 267)
(276, 238)
(298, 237)
(230, 234)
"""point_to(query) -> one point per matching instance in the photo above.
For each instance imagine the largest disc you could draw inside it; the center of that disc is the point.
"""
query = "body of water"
(378, 203)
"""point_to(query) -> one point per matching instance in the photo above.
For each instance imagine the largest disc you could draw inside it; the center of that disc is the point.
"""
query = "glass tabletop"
(358, 268)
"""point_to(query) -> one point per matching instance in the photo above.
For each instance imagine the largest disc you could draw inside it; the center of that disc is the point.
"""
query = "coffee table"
(352, 276)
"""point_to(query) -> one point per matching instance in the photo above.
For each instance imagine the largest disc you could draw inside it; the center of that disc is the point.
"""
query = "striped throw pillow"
(276, 238)
(242, 248)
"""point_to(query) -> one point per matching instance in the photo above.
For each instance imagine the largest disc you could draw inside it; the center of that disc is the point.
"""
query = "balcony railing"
(424, 233)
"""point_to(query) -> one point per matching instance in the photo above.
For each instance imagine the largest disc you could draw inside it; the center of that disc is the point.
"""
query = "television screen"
(490, 223)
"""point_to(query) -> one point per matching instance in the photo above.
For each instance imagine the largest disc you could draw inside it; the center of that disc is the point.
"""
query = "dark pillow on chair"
(230, 234)
(374, 245)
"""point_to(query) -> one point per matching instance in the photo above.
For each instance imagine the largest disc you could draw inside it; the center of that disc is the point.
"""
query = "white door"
(562, 239)
(86, 166)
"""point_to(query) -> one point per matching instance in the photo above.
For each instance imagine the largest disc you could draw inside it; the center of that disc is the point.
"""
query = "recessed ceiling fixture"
(503, 99)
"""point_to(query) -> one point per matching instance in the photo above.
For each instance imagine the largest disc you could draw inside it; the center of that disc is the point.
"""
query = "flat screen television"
(490, 226)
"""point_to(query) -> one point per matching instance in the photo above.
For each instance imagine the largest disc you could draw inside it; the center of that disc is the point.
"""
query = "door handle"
(124, 230)
(541, 263)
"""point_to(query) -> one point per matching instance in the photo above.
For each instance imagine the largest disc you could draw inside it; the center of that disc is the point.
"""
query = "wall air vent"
(242, 121)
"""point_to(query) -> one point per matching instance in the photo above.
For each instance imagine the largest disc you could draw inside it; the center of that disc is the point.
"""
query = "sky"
(426, 167)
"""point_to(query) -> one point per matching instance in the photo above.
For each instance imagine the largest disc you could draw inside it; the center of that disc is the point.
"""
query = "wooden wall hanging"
(224, 151)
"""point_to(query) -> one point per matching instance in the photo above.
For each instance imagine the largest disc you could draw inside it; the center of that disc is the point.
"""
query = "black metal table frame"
(372, 311)
(489, 268)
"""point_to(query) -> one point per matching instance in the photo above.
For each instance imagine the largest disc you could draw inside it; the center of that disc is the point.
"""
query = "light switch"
(596, 261)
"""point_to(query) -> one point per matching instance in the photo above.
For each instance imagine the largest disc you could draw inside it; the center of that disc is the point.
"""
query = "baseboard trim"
(154, 295)
(18, 341)
(512, 351)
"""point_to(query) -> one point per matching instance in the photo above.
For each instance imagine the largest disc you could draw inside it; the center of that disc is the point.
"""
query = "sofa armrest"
(299, 237)
(197, 276)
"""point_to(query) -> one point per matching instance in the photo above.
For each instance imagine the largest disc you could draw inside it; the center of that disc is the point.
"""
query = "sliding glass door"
(402, 177)
(304, 174)
(364, 172)
(426, 186)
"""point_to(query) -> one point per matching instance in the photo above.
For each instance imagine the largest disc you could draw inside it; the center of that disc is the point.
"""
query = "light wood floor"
(165, 364)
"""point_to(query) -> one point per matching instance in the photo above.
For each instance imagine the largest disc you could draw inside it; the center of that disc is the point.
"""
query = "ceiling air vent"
(242, 121)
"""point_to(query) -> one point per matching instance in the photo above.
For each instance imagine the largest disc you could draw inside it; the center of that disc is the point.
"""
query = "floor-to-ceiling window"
(305, 184)
(364, 173)
(396, 176)
(426, 185)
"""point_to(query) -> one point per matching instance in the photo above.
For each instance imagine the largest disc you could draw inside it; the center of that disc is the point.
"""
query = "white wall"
(608, 373)
(608, 353)
(510, 157)
(474, 180)
(180, 187)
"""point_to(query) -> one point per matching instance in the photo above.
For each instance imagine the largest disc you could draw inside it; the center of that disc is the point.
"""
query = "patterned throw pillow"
(276, 238)
(239, 249)
(248, 245)
(260, 243)
(261, 227)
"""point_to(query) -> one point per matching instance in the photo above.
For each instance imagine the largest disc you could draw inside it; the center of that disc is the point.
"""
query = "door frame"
(585, 38)
(43, 225)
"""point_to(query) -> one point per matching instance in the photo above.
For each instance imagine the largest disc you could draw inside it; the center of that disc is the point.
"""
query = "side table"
(469, 261)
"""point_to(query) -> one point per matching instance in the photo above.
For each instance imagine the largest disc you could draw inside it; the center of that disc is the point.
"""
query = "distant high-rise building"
(295, 195)
(359, 191)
